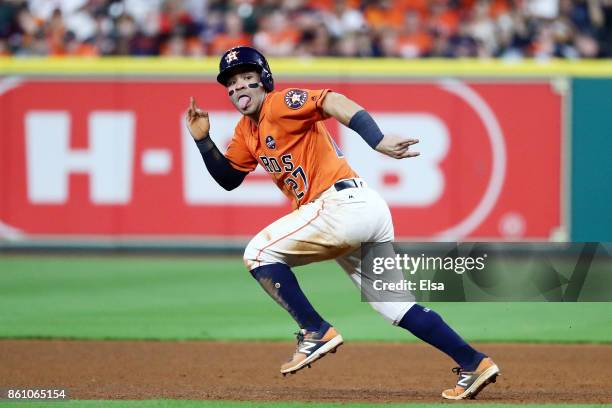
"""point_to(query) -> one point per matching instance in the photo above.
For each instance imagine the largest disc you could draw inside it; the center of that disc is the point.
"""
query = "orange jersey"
(292, 144)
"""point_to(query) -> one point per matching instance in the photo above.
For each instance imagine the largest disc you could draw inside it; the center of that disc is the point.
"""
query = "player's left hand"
(197, 121)
(397, 147)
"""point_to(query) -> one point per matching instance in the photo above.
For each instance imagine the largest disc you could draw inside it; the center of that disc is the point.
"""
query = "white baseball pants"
(333, 226)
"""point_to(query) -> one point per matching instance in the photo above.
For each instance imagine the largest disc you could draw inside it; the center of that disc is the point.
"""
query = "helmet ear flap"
(267, 80)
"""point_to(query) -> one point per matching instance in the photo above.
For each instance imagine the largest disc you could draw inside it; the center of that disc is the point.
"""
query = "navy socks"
(428, 326)
(280, 283)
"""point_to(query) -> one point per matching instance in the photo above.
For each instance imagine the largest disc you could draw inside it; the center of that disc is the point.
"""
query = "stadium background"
(111, 231)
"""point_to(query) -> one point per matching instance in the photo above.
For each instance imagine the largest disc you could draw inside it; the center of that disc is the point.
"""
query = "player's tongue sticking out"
(243, 101)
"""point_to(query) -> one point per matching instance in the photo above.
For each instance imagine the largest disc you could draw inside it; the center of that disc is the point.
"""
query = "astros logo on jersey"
(270, 142)
(296, 98)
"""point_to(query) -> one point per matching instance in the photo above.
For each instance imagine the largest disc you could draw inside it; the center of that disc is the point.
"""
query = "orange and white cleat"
(470, 383)
(311, 346)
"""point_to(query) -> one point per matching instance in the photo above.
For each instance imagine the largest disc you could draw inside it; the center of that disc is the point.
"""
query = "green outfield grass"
(216, 299)
(249, 404)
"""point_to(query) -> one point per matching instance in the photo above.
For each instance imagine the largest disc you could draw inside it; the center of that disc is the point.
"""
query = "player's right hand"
(197, 121)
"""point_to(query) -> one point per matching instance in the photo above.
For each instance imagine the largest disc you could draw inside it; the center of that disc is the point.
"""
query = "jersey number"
(294, 185)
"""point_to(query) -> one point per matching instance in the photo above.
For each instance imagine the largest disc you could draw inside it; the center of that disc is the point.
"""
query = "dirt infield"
(249, 371)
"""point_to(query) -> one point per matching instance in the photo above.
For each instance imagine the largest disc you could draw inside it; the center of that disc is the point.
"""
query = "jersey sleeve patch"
(295, 98)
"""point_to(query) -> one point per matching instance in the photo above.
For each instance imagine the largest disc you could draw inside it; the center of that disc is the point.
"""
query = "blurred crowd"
(510, 29)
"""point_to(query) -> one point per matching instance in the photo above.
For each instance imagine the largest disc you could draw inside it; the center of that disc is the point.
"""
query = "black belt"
(343, 184)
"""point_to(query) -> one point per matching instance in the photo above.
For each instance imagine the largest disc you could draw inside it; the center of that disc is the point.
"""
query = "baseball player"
(334, 210)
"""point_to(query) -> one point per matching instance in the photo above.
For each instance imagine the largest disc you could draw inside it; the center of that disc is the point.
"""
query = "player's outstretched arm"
(340, 107)
(217, 164)
(355, 117)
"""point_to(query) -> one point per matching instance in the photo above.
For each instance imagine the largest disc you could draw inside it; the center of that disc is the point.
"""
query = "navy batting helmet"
(240, 57)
